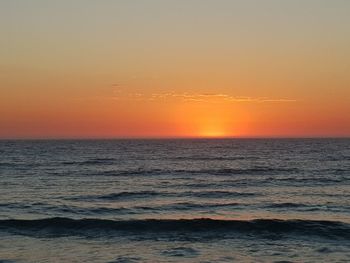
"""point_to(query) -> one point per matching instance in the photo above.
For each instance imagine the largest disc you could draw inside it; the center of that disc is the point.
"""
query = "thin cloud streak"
(199, 97)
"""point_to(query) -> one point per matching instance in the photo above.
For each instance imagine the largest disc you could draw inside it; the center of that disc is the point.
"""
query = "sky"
(174, 68)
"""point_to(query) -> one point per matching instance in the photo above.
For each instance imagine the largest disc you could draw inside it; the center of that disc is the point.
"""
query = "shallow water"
(245, 200)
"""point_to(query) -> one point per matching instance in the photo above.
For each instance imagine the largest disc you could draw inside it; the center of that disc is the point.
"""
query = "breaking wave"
(66, 226)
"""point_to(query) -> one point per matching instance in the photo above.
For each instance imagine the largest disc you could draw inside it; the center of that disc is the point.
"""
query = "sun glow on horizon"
(206, 119)
(213, 133)
(213, 129)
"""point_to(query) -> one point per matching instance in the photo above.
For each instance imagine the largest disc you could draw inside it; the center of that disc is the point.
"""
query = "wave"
(6, 164)
(19, 165)
(129, 195)
(126, 195)
(251, 171)
(182, 206)
(219, 194)
(67, 226)
(220, 172)
(314, 180)
(214, 158)
(307, 207)
(286, 205)
(95, 161)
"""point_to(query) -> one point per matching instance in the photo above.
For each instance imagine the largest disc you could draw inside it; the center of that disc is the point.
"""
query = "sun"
(205, 120)
(212, 131)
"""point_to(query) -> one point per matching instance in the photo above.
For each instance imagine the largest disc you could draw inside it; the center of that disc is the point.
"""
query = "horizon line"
(173, 138)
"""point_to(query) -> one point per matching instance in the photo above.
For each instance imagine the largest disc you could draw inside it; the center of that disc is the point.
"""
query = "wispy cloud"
(200, 97)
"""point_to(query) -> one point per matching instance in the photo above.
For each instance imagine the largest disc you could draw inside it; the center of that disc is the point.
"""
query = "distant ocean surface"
(229, 200)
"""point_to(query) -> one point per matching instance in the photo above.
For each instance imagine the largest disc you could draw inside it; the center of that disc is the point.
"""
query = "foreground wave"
(67, 226)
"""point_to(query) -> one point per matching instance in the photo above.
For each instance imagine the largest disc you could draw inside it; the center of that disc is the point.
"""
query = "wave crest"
(67, 226)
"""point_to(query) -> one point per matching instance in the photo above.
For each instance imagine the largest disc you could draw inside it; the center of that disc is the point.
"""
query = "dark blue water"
(243, 200)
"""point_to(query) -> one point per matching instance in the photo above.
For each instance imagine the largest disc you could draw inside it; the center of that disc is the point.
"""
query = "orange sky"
(174, 69)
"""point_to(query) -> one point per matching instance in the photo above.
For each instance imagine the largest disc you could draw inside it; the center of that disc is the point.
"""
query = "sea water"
(217, 200)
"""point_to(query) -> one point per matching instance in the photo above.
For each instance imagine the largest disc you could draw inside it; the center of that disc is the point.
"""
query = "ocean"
(200, 200)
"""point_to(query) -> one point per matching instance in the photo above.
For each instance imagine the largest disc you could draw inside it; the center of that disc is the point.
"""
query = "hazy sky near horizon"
(161, 68)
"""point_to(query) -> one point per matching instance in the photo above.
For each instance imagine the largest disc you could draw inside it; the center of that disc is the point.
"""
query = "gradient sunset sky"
(181, 68)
